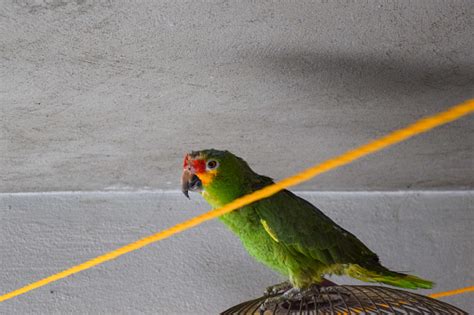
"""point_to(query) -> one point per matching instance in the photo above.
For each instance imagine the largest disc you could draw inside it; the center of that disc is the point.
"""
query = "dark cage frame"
(349, 299)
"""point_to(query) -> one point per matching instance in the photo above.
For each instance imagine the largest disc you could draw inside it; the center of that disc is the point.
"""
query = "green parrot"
(285, 232)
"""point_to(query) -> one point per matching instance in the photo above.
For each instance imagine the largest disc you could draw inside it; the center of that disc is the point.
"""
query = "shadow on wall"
(364, 77)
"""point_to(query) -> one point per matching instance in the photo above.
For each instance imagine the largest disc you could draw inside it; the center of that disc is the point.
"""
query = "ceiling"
(102, 95)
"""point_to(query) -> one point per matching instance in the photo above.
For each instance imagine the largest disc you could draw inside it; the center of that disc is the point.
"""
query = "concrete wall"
(205, 270)
(109, 95)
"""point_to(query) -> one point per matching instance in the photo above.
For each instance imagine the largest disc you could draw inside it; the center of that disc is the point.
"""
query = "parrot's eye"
(212, 164)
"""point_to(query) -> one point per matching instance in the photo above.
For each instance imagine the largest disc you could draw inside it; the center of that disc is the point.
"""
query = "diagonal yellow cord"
(418, 127)
(451, 292)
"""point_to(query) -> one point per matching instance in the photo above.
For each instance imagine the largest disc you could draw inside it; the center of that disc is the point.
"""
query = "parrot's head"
(219, 176)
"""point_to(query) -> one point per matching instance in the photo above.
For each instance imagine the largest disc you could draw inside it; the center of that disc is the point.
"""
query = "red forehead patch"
(199, 166)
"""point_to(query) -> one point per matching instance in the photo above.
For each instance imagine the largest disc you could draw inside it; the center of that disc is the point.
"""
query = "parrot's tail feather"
(383, 275)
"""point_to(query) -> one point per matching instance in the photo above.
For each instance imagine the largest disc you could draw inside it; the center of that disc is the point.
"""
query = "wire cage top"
(350, 299)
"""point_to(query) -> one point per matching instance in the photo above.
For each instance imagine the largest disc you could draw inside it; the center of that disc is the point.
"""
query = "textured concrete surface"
(109, 94)
(205, 270)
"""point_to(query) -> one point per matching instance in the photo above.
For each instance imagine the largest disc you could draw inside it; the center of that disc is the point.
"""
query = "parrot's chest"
(257, 240)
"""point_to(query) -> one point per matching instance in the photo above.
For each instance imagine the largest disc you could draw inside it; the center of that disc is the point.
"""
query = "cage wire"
(348, 299)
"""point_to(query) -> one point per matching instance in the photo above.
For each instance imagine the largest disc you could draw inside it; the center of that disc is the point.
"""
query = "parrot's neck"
(220, 193)
(218, 200)
(212, 200)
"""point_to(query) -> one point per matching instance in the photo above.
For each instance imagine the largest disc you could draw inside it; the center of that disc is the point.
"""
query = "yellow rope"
(452, 292)
(418, 127)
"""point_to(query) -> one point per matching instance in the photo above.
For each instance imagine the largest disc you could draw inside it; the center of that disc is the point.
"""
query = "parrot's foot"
(278, 288)
(292, 294)
(313, 295)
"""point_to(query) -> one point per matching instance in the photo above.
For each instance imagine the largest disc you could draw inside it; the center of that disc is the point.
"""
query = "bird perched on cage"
(285, 232)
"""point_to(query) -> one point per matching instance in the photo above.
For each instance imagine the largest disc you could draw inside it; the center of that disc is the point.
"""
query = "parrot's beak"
(190, 182)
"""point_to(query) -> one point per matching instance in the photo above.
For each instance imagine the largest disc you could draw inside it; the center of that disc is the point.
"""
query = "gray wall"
(108, 95)
(206, 270)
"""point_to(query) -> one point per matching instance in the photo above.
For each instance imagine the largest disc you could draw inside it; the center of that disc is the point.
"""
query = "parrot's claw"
(277, 288)
(292, 294)
(312, 293)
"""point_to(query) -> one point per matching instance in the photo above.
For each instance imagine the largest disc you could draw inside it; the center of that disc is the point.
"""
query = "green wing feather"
(301, 226)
